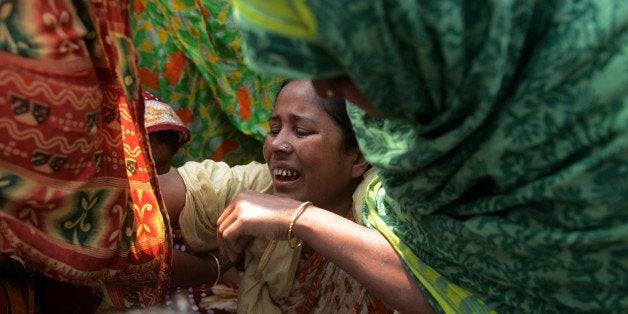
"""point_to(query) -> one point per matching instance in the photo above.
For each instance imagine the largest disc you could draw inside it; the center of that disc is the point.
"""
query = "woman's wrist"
(294, 242)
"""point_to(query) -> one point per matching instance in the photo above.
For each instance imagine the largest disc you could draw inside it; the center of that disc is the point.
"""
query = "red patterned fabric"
(322, 287)
(78, 196)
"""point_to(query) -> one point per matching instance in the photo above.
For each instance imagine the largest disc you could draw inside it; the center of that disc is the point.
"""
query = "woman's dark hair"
(336, 109)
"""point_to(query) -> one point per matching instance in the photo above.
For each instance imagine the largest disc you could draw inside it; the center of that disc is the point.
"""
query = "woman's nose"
(281, 143)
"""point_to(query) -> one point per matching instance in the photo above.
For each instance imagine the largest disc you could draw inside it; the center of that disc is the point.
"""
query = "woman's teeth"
(284, 173)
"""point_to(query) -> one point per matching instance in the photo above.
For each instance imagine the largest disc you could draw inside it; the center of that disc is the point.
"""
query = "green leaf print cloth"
(190, 56)
(503, 173)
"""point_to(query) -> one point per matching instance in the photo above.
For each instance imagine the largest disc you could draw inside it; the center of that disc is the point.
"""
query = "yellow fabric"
(294, 20)
(210, 187)
(255, 296)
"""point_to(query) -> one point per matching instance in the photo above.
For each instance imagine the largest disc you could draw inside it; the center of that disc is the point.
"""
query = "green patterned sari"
(189, 56)
(503, 173)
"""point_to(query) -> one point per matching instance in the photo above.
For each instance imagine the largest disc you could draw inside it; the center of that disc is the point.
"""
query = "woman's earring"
(330, 93)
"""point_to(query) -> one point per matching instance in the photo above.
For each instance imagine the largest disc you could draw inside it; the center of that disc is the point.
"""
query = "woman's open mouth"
(285, 175)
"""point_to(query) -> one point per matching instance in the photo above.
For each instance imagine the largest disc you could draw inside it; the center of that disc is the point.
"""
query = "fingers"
(232, 237)
(227, 241)
(233, 248)
(226, 249)
(251, 215)
(226, 219)
(228, 210)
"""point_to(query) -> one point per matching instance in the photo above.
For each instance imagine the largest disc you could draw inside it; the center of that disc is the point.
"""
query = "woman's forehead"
(300, 98)
(298, 89)
(299, 110)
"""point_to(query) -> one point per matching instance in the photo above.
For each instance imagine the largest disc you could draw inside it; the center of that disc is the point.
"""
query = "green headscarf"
(504, 169)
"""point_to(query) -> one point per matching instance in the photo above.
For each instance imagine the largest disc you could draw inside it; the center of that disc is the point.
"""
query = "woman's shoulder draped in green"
(505, 167)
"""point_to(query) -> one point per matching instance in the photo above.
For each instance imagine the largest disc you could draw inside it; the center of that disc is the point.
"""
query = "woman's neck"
(344, 203)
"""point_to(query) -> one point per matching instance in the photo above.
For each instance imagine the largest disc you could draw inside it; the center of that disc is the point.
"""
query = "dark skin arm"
(173, 193)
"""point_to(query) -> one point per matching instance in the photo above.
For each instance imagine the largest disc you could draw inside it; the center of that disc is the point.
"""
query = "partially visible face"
(162, 155)
(313, 167)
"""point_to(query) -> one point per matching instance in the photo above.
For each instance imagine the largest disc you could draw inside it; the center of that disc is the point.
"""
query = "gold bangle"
(217, 267)
(296, 215)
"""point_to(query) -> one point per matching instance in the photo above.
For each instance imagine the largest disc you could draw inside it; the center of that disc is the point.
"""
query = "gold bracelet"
(297, 213)
(217, 266)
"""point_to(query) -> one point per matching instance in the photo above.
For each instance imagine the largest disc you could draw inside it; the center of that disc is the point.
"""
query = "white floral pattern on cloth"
(159, 116)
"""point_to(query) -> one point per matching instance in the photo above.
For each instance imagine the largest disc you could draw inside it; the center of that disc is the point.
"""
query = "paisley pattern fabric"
(77, 192)
(504, 165)
(190, 56)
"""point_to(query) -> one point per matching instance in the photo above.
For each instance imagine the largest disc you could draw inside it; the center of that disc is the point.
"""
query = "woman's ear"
(360, 165)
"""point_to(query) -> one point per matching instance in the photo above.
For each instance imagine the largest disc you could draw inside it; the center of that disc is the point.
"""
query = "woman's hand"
(250, 215)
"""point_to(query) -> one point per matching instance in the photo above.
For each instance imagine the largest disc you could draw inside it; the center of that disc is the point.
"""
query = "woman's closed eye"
(302, 132)
(274, 131)
(299, 132)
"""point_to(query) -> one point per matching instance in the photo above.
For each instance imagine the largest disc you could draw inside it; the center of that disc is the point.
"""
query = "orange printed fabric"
(78, 196)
